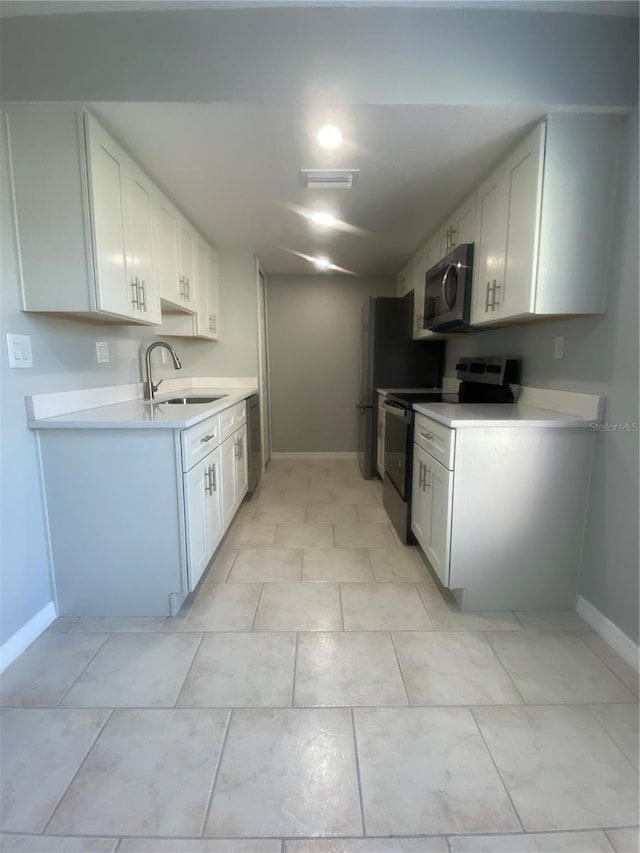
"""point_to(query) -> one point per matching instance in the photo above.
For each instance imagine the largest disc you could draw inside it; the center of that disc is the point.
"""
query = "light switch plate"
(102, 352)
(19, 349)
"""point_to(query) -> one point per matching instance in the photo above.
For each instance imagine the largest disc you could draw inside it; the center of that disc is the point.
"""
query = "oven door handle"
(397, 412)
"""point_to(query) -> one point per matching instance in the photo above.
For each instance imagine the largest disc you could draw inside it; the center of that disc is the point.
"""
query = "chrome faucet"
(152, 387)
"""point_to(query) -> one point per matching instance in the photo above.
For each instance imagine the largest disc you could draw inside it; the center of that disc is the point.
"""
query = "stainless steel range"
(482, 380)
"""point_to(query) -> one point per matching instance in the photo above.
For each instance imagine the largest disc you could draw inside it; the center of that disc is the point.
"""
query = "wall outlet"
(558, 348)
(19, 349)
(102, 352)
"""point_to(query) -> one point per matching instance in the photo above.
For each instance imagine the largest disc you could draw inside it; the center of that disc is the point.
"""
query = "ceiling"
(16, 8)
(229, 154)
(234, 171)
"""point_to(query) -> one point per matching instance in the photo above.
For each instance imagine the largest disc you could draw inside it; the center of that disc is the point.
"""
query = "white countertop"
(142, 414)
(499, 415)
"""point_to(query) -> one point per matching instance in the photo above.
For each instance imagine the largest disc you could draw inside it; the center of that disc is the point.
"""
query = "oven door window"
(396, 437)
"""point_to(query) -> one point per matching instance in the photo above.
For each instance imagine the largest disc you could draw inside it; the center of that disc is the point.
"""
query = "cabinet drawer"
(435, 438)
(232, 419)
(199, 440)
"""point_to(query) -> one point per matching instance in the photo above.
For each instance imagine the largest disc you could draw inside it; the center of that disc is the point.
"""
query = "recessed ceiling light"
(329, 136)
(319, 217)
(322, 263)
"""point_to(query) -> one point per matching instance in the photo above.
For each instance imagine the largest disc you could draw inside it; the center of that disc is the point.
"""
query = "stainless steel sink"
(185, 401)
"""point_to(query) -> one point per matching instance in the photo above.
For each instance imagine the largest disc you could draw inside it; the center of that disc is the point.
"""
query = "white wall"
(64, 358)
(314, 326)
(323, 56)
(600, 357)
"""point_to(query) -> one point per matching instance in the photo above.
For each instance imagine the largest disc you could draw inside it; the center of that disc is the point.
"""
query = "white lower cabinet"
(431, 510)
(136, 541)
(203, 513)
(500, 513)
(234, 472)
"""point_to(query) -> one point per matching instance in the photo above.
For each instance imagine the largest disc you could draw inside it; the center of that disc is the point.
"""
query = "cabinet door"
(420, 499)
(207, 275)
(228, 480)
(242, 467)
(439, 485)
(141, 270)
(417, 278)
(114, 293)
(524, 168)
(197, 520)
(168, 231)
(188, 240)
(214, 500)
(463, 222)
(491, 240)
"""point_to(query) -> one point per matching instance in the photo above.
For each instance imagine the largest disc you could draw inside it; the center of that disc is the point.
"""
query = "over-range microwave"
(447, 292)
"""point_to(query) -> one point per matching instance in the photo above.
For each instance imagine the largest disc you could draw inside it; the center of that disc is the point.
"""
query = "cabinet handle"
(135, 298)
(181, 282)
(187, 294)
(486, 301)
(426, 485)
(211, 322)
(426, 435)
(207, 438)
(142, 295)
(494, 301)
(215, 324)
(420, 474)
(207, 480)
(214, 485)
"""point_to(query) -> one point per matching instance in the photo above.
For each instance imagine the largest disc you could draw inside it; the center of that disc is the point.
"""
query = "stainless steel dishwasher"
(254, 441)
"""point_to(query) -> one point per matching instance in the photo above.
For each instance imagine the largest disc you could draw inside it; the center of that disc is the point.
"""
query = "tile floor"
(319, 694)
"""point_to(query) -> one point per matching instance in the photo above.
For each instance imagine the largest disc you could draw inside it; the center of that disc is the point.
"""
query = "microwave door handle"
(444, 285)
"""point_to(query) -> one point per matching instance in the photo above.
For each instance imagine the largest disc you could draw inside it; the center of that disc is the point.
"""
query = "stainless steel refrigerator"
(390, 358)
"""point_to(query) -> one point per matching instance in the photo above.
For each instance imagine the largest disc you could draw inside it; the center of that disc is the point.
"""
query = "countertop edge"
(544, 418)
(234, 396)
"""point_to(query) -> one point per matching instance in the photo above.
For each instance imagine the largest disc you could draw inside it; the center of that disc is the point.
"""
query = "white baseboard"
(23, 638)
(336, 455)
(616, 638)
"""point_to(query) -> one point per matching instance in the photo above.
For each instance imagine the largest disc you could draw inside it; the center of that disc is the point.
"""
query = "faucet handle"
(157, 384)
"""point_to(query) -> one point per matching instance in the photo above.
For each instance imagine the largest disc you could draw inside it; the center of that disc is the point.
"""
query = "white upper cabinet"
(207, 274)
(140, 244)
(188, 281)
(457, 229)
(543, 234)
(423, 261)
(83, 217)
(169, 274)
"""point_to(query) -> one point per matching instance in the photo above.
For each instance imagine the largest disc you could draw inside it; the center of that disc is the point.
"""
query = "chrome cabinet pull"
(135, 298)
(215, 324)
(207, 438)
(187, 288)
(207, 480)
(426, 485)
(211, 322)
(495, 301)
(420, 474)
(142, 294)
(426, 435)
(214, 484)
(181, 281)
(486, 301)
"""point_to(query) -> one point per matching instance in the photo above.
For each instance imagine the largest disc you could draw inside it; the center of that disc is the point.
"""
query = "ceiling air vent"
(328, 179)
